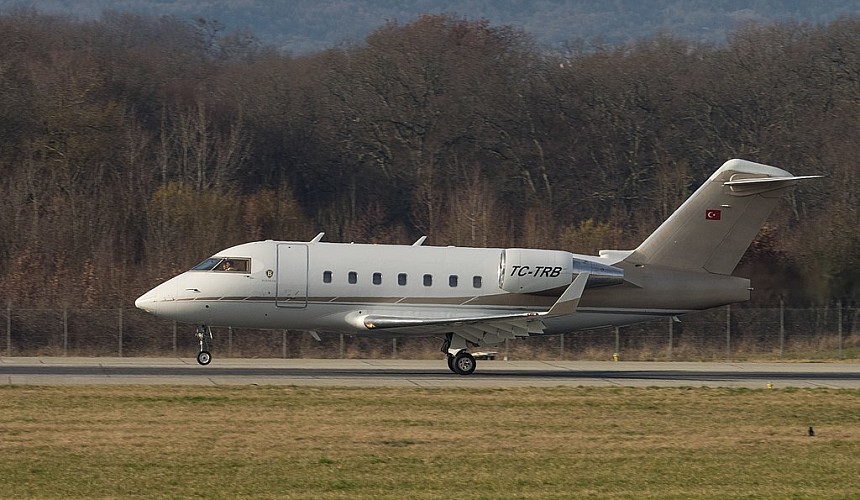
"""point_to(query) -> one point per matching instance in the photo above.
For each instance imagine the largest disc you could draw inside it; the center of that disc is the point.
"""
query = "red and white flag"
(712, 214)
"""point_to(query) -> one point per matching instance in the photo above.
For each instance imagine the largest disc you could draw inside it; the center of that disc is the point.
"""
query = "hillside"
(303, 26)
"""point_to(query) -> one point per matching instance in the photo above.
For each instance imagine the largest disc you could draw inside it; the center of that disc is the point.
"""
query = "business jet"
(471, 297)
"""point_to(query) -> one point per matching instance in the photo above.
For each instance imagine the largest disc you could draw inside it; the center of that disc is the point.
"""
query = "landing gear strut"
(460, 361)
(204, 335)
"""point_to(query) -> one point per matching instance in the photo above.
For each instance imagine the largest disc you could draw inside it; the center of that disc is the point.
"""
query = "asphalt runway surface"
(407, 373)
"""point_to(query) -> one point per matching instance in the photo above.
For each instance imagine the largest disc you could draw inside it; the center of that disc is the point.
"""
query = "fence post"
(9, 328)
(284, 344)
(65, 331)
(229, 341)
(671, 334)
(394, 348)
(839, 324)
(174, 339)
(341, 346)
(617, 340)
(120, 332)
(561, 346)
(728, 332)
(781, 326)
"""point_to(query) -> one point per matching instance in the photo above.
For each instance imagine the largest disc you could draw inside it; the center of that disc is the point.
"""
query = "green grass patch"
(275, 442)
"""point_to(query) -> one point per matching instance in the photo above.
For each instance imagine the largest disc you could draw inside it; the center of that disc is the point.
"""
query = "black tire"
(204, 357)
(451, 363)
(464, 363)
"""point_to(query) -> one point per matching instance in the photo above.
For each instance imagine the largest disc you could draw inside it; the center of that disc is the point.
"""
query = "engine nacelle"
(524, 270)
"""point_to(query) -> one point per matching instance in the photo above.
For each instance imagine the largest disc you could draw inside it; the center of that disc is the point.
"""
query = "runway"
(407, 373)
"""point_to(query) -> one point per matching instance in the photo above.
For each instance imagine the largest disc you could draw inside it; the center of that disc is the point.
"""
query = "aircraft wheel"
(451, 363)
(203, 357)
(464, 363)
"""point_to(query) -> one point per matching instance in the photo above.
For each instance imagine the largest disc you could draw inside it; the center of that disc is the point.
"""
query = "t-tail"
(711, 230)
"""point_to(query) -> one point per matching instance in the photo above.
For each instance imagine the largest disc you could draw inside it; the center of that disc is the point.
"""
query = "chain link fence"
(727, 333)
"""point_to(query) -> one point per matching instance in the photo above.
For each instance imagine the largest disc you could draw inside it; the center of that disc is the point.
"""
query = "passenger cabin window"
(224, 264)
(353, 277)
(476, 281)
(377, 278)
(326, 276)
(401, 279)
(452, 280)
(428, 280)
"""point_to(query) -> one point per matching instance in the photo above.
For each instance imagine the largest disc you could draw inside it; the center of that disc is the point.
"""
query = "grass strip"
(301, 442)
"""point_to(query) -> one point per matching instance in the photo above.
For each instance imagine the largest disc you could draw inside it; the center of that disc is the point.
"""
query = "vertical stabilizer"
(714, 227)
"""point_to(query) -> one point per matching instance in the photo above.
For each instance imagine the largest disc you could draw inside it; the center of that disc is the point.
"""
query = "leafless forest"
(133, 147)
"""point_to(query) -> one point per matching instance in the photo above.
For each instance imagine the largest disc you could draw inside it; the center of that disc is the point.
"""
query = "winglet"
(569, 300)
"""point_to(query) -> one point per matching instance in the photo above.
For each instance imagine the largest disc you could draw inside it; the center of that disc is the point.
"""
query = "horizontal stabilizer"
(767, 180)
(745, 186)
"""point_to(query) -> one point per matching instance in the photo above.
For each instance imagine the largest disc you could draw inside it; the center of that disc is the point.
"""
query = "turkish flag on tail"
(712, 214)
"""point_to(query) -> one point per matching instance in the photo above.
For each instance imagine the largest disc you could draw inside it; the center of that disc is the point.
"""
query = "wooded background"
(133, 147)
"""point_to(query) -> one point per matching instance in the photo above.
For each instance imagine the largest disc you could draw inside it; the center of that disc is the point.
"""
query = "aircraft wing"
(479, 328)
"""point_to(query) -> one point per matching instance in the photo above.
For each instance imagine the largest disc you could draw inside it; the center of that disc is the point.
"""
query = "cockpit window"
(224, 264)
(207, 265)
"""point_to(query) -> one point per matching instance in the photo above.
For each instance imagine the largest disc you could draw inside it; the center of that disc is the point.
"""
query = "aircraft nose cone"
(146, 302)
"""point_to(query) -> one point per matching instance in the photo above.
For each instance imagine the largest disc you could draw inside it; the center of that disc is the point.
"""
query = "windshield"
(207, 265)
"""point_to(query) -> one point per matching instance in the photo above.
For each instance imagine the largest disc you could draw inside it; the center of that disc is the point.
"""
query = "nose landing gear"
(204, 335)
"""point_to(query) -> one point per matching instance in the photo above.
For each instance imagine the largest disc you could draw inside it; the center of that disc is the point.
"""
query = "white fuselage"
(327, 286)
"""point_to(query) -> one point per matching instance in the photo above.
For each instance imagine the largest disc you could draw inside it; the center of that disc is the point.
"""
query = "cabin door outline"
(292, 288)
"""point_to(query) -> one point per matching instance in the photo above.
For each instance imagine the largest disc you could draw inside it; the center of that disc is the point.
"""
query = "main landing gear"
(204, 335)
(460, 361)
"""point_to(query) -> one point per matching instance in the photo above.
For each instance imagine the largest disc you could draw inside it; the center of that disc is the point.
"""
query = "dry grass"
(267, 442)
